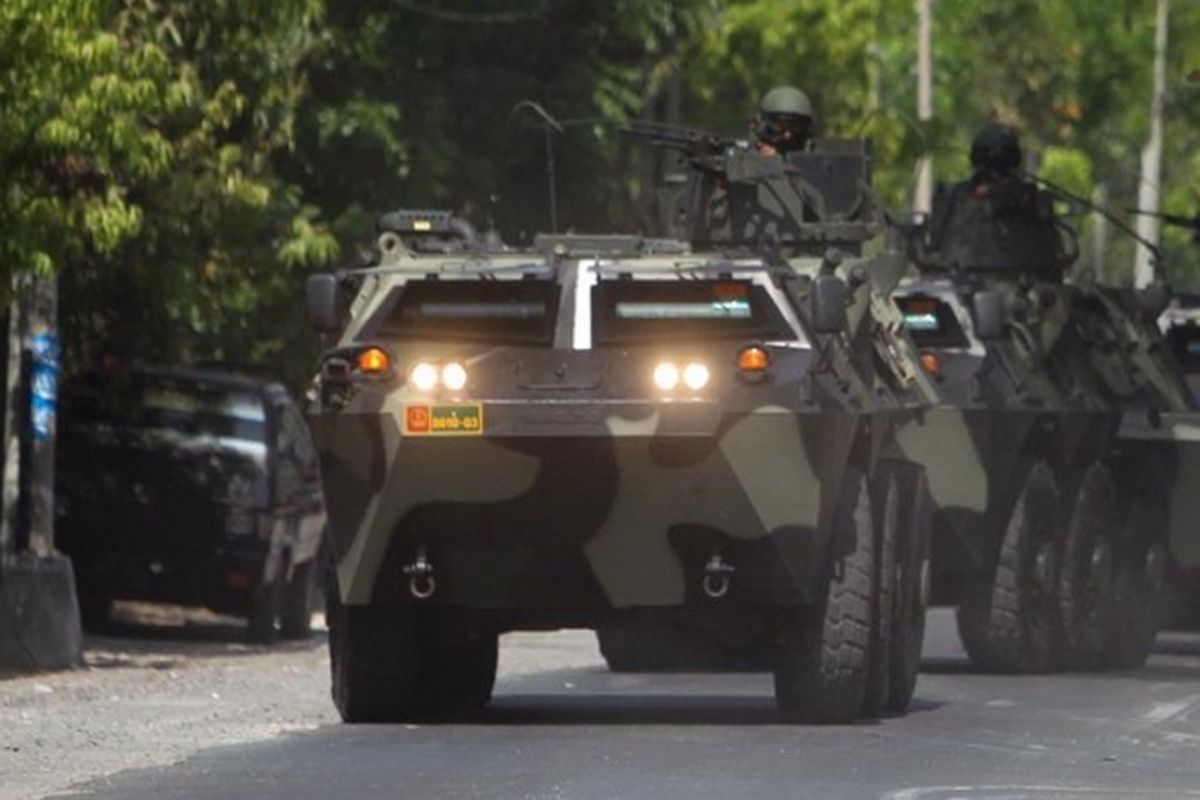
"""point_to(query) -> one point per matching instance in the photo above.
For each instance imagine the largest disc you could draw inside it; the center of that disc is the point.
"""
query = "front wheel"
(912, 585)
(1010, 620)
(373, 660)
(458, 675)
(1086, 584)
(823, 672)
(1138, 580)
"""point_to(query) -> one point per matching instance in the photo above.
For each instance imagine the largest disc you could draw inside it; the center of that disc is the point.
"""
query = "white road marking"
(1161, 712)
(1016, 791)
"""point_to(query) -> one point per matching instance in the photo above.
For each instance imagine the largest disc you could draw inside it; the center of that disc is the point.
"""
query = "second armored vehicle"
(1051, 468)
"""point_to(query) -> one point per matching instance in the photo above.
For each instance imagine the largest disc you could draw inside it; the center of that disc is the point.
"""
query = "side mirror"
(991, 315)
(827, 297)
(324, 313)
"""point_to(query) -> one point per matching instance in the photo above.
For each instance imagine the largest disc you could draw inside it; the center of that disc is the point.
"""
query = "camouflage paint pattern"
(590, 490)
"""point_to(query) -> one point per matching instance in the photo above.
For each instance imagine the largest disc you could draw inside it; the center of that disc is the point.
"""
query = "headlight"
(424, 376)
(695, 376)
(666, 376)
(454, 376)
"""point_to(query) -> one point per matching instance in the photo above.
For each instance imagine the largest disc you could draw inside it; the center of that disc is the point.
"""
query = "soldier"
(783, 123)
(997, 218)
(995, 153)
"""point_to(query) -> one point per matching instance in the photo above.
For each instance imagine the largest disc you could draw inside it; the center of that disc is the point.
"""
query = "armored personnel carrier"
(624, 434)
(1054, 468)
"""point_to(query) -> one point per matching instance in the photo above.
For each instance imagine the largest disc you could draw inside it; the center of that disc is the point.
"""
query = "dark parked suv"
(190, 486)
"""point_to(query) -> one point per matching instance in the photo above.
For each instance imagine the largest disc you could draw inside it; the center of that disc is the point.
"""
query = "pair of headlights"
(426, 376)
(668, 376)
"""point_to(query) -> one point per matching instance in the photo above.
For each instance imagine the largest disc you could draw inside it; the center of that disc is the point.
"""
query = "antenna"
(550, 126)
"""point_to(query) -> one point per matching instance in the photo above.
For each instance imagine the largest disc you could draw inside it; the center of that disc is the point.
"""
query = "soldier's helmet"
(784, 119)
(996, 150)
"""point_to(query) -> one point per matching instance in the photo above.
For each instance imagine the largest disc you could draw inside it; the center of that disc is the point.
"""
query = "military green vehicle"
(1052, 462)
(625, 434)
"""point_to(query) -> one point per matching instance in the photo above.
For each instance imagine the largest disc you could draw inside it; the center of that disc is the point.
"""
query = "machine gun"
(690, 141)
(1193, 224)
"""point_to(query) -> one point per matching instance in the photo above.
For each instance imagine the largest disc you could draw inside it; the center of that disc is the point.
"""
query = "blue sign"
(45, 349)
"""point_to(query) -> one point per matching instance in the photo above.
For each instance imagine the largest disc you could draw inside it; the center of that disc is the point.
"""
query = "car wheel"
(299, 602)
(1009, 621)
(912, 592)
(458, 675)
(885, 501)
(1085, 589)
(1137, 590)
(822, 673)
(373, 660)
(265, 605)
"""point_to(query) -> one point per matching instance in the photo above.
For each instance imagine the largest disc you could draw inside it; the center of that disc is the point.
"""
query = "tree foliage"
(182, 165)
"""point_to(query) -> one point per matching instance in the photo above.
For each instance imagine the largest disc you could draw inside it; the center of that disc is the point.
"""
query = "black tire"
(373, 660)
(457, 676)
(885, 502)
(1010, 623)
(912, 592)
(1086, 582)
(299, 602)
(265, 605)
(822, 672)
(1137, 589)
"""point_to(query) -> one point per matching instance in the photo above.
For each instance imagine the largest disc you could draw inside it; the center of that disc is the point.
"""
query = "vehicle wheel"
(94, 611)
(459, 675)
(265, 605)
(1085, 588)
(1009, 624)
(822, 674)
(373, 660)
(885, 501)
(912, 587)
(299, 602)
(1137, 593)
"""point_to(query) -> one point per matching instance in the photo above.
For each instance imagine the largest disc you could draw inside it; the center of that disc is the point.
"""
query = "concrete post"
(39, 609)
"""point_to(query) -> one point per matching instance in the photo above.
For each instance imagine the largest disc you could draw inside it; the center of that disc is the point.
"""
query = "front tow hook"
(421, 583)
(717, 577)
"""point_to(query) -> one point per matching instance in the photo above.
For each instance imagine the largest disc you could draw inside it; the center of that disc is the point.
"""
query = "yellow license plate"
(444, 419)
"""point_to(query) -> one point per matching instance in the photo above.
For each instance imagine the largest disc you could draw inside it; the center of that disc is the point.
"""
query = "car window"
(647, 310)
(931, 321)
(510, 311)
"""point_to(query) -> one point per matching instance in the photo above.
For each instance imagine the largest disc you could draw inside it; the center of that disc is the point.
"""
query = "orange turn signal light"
(753, 359)
(373, 361)
(931, 364)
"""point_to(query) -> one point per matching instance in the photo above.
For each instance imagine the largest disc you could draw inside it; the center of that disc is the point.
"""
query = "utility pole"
(1150, 182)
(39, 609)
(923, 202)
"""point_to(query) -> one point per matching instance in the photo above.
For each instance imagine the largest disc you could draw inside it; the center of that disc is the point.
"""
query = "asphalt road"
(571, 729)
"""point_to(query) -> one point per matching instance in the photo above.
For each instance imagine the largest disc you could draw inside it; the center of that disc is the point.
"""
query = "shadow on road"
(1176, 657)
(521, 710)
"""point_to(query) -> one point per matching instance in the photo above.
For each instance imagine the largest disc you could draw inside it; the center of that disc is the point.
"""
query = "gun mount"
(732, 197)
